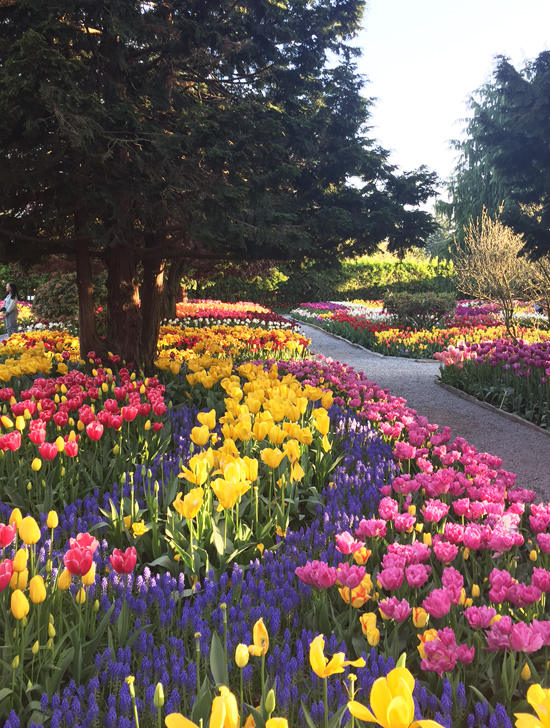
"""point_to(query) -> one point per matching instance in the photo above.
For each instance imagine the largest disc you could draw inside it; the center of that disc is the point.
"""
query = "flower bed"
(374, 329)
(274, 501)
(512, 377)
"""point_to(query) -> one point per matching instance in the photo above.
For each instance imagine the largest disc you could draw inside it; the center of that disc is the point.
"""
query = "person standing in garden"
(9, 308)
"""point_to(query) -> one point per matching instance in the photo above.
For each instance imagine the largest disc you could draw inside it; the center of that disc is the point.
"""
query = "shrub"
(419, 310)
(57, 299)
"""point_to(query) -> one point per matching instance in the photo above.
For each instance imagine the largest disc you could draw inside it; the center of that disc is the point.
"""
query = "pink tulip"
(350, 576)
(479, 617)
(395, 609)
(78, 561)
(524, 638)
(6, 571)
(417, 575)
(7, 534)
(346, 544)
(48, 450)
(391, 579)
(437, 603)
(84, 541)
(94, 430)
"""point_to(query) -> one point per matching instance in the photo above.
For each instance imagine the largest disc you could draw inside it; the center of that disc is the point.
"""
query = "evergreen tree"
(505, 158)
(150, 133)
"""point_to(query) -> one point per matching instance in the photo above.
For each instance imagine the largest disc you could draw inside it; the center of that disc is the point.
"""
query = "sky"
(423, 58)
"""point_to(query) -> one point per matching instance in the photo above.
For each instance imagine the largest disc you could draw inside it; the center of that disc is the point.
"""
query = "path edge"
(507, 415)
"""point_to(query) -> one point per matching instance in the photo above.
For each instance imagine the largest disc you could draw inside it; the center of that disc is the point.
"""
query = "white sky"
(424, 57)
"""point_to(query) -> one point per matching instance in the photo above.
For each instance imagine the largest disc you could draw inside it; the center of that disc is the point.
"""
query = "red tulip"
(61, 418)
(94, 430)
(6, 571)
(78, 561)
(158, 426)
(130, 413)
(37, 436)
(7, 534)
(71, 448)
(123, 562)
(159, 408)
(11, 441)
(48, 450)
(116, 422)
(111, 405)
(84, 541)
(144, 409)
(120, 393)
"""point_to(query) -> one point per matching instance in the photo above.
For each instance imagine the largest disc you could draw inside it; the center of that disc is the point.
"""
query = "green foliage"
(419, 310)
(57, 298)
(366, 277)
(25, 280)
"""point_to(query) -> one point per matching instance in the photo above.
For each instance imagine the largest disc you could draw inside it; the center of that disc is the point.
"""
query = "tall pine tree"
(148, 133)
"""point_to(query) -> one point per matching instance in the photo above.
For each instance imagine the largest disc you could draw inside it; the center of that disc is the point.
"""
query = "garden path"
(523, 449)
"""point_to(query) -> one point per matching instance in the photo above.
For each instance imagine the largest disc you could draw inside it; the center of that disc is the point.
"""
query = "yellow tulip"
(526, 672)
(272, 457)
(251, 467)
(19, 604)
(276, 723)
(139, 528)
(241, 656)
(260, 430)
(64, 580)
(420, 617)
(320, 664)
(36, 464)
(19, 579)
(29, 531)
(60, 444)
(200, 435)
(20, 560)
(15, 517)
(6, 421)
(20, 423)
(53, 520)
(37, 590)
(475, 590)
(176, 720)
(391, 702)
(191, 503)
(276, 435)
(225, 713)
(373, 637)
(208, 419)
(322, 423)
(226, 493)
(80, 596)
(89, 578)
(305, 436)
(427, 636)
(368, 621)
(539, 699)
(260, 637)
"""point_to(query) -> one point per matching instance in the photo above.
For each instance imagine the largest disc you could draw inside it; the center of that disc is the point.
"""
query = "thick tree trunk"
(172, 287)
(123, 311)
(88, 338)
(152, 296)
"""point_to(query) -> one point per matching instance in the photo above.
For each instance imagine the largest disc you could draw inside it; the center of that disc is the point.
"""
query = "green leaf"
(217, 539)
(218, 663)
(308, 717)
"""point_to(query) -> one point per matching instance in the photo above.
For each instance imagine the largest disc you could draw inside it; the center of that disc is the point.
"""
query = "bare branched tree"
(489, 266)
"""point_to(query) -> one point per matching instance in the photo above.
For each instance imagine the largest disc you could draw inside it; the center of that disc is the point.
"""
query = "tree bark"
(123, 311)
(172, 287)
(88, 338)
(152, 297)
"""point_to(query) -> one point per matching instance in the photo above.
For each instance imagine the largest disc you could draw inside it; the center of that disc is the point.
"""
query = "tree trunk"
(152, 296)
(88, 338)
(172, 287)
(123, 311)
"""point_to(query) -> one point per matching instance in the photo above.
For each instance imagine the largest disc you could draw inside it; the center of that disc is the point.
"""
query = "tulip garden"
(255, 537)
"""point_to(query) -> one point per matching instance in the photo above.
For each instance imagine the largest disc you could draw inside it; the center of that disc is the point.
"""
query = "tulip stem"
(242, 700)
(325, 700)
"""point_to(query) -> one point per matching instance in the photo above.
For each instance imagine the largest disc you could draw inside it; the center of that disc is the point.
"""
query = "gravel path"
(524, 450)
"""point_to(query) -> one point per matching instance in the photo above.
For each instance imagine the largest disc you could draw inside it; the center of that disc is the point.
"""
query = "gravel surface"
(523, 449)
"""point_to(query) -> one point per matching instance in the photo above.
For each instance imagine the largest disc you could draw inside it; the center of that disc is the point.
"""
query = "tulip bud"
(475, 590)
(89, 578)
(533, 555)
(270, 702)
(51, 630)
(95, 608)
(49, 644)
(15, 662)
(19, 579)
(53, 520)
(29, 531)
(241, 655)
(64, 580)
(116, 449)
(526, 672)
(158, 700)
(20, 560)
(15, 517)
(37, 590)
(35, 648)
(81, 596)
(20, 423)
(19, 604)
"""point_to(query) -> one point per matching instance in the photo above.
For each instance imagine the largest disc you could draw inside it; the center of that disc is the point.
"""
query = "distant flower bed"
(376, 330)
